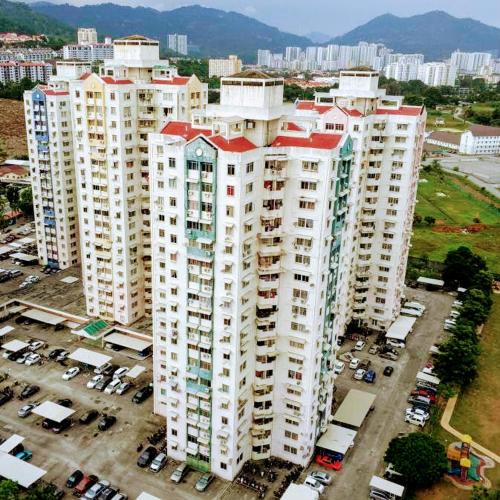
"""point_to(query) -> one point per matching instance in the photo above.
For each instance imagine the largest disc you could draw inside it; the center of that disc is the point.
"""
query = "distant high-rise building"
(224, 67)
(292, 53)
(178, 43)
(264, 58)
(87, 36)
(435, 74)
(470, 62)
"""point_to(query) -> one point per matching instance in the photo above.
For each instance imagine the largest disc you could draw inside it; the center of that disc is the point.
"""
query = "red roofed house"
(480, 140)
(15, 172)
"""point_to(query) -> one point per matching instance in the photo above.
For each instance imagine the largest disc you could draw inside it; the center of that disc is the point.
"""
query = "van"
(112, 386)
(415, 419)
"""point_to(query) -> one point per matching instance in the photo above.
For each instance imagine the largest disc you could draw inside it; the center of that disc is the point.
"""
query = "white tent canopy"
(394, 489)
(89, 357)
(135, 371)
(128, 341)
(18, 470)
(53, 411)
(147, 496)
(299, 492)
(354, 408)
(430, 281)
(337, 438)
(9, 444)
(425, 377)
(5, 330)
(400, 329)
(14, 345)
(43, 317)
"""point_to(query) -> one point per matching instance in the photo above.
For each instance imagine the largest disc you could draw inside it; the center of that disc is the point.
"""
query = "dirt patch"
(471, 228)
(12, 129)
(442, 491)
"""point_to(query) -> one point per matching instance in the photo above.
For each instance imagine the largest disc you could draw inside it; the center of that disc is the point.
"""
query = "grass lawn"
(458, 208)
(450, 122)
(478, 407)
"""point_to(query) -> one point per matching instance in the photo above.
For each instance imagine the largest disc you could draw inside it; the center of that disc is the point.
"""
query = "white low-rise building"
(480, 140)
(224, 67)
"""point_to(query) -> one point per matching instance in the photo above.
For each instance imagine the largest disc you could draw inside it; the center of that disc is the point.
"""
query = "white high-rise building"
(470, 62)
(87, 36)
(48, 117)
(402, 71)
(178, 43)
(435, 74)
(272, 228)
(224, 67)
(292, 53)
(264, 58)
(89, 52)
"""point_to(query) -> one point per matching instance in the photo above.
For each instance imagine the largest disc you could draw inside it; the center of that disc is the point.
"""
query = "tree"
(465, 330)
(461, 265)
(9, 490)
(12, 194)
(417, 219)
(456, 363)
(418, 457)
(483, 281)
(26, 201)
(41, 492)
(430, 220)
(476, 307)
(4, 205)
(481, 493)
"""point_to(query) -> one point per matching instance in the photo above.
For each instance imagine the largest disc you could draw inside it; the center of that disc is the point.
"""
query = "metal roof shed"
(24, 257)
(53, 411)
(128, 341)
(337, 438)
(5, 330)
(394, 489)
(14, 345)
(299, 492)
(43, 317)
(430, 281)
(354, 408)
(19, 471)
(88, 357)
(400, 329)
(147, 496)
(135, 371)
(425, 377)
(9, 444)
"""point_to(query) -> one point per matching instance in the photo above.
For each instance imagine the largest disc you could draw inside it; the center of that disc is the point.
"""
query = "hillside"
(212, 31)
(20, 17)
(435, 34)
(12, 129)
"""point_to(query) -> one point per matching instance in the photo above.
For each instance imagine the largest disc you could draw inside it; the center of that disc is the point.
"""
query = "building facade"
(178, 43)
(224, 67)
(89, 52)
(87, 36)
(480, 140)
(15, 71)
(436, 74)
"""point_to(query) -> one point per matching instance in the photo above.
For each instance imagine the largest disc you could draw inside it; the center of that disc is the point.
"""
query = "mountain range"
(213, 32)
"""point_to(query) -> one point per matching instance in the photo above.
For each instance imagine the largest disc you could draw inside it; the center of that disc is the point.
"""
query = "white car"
(415, 420)
(6, 354)
(395, 343)
(112, 386)
(414, 305)
(454, 314)
(360, 345)
(102, 368)
(417, 411)
(321, 476)
(94, 381)
(22, 359)
(35, 345)
(338, 367)
(120, 372)
(71, 373)
(359, 374)
(33, 359)
(353, 365)
(427, 370)
(123, 388)
(457, 303)
(315, 485)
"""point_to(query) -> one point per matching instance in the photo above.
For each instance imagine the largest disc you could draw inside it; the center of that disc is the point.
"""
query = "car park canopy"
(14, 345)
(5, 330)
(299, 492)
(354, 408)
(128, 341)
(430, 281)
(135, 371)
(400, 329)
(89, 357)
(147, 496)
(336, 438)
(9, 444)
(19, 471)
(43, 317)
(387, 486)
(24, 257)
(53, 411)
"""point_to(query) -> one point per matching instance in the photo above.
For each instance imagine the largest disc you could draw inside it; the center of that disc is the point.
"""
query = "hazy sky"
(333, 17)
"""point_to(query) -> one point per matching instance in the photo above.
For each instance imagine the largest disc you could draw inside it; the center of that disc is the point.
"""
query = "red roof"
(112, 81)
(54, 92)
(185, 130)
(403, 110)
(351, 112)
(293, 127)
(312, 106)
(315, 140)
(13, 169)
(237, 145)
(85, 76)
(176, 80)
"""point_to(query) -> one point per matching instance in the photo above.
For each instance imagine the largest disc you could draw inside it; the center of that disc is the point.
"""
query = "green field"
(450, 122)
(460, 207)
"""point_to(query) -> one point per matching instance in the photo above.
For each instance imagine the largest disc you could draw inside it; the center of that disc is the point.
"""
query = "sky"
(332, 17)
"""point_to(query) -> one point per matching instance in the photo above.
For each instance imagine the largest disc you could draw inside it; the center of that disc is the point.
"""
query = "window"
(290, 449)
(308, 185)
(230, 190)
(249, 168)
(230, 170)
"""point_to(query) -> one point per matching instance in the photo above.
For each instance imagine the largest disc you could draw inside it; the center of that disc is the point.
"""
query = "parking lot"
(387, 419)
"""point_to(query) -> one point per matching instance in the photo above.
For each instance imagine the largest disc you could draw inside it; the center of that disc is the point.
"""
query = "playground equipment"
(464, 464)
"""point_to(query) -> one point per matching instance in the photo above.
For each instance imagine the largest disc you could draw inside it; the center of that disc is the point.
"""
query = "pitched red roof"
(185, 130)
(484, 131)
(113, 81)
(312, 106)
(315, 140)
(13, 169)
(403, 110)
(293, 127)
(85, 76)
(54, 92)
(176, 80)
(351, 112)
(238, 145)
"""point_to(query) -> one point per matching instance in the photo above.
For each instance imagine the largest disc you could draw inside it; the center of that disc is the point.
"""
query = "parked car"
(33, 359)
(71, 373)
(329, 462)
(365, 364)
(353, 365)
(120, 496)
(417, 411)
(180, 473)
(419, 401)
(158, 462)
(374, 348)
(21, 359)
(359, 374)
(56, 492)
(147, 456)
(338, 367)
(388, 371)
(101, 369)
(424, 392)
(389, 355)
(142, 394)
(6, 395)
(62, 356)
(315, 485)
(95, 489)
(120, 372)
(74, 479)
(360, 345)
(414, 305)
(85, 483)
(61, 426)
(106, 422)
(395, 343)
(123, 388)
(204, 482)
(321, 476)
(35, 345)
(112, 386)
(102, 384)
(109, 493)
(29, 391)
(370, 376)
(94, 381)
(415, 420)
(25, 455)
(26, 410)
(47, 423)
(88, 417)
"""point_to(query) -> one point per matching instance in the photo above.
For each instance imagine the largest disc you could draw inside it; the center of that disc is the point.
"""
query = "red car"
(85, 484)
(328, 463)
(423, 392)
